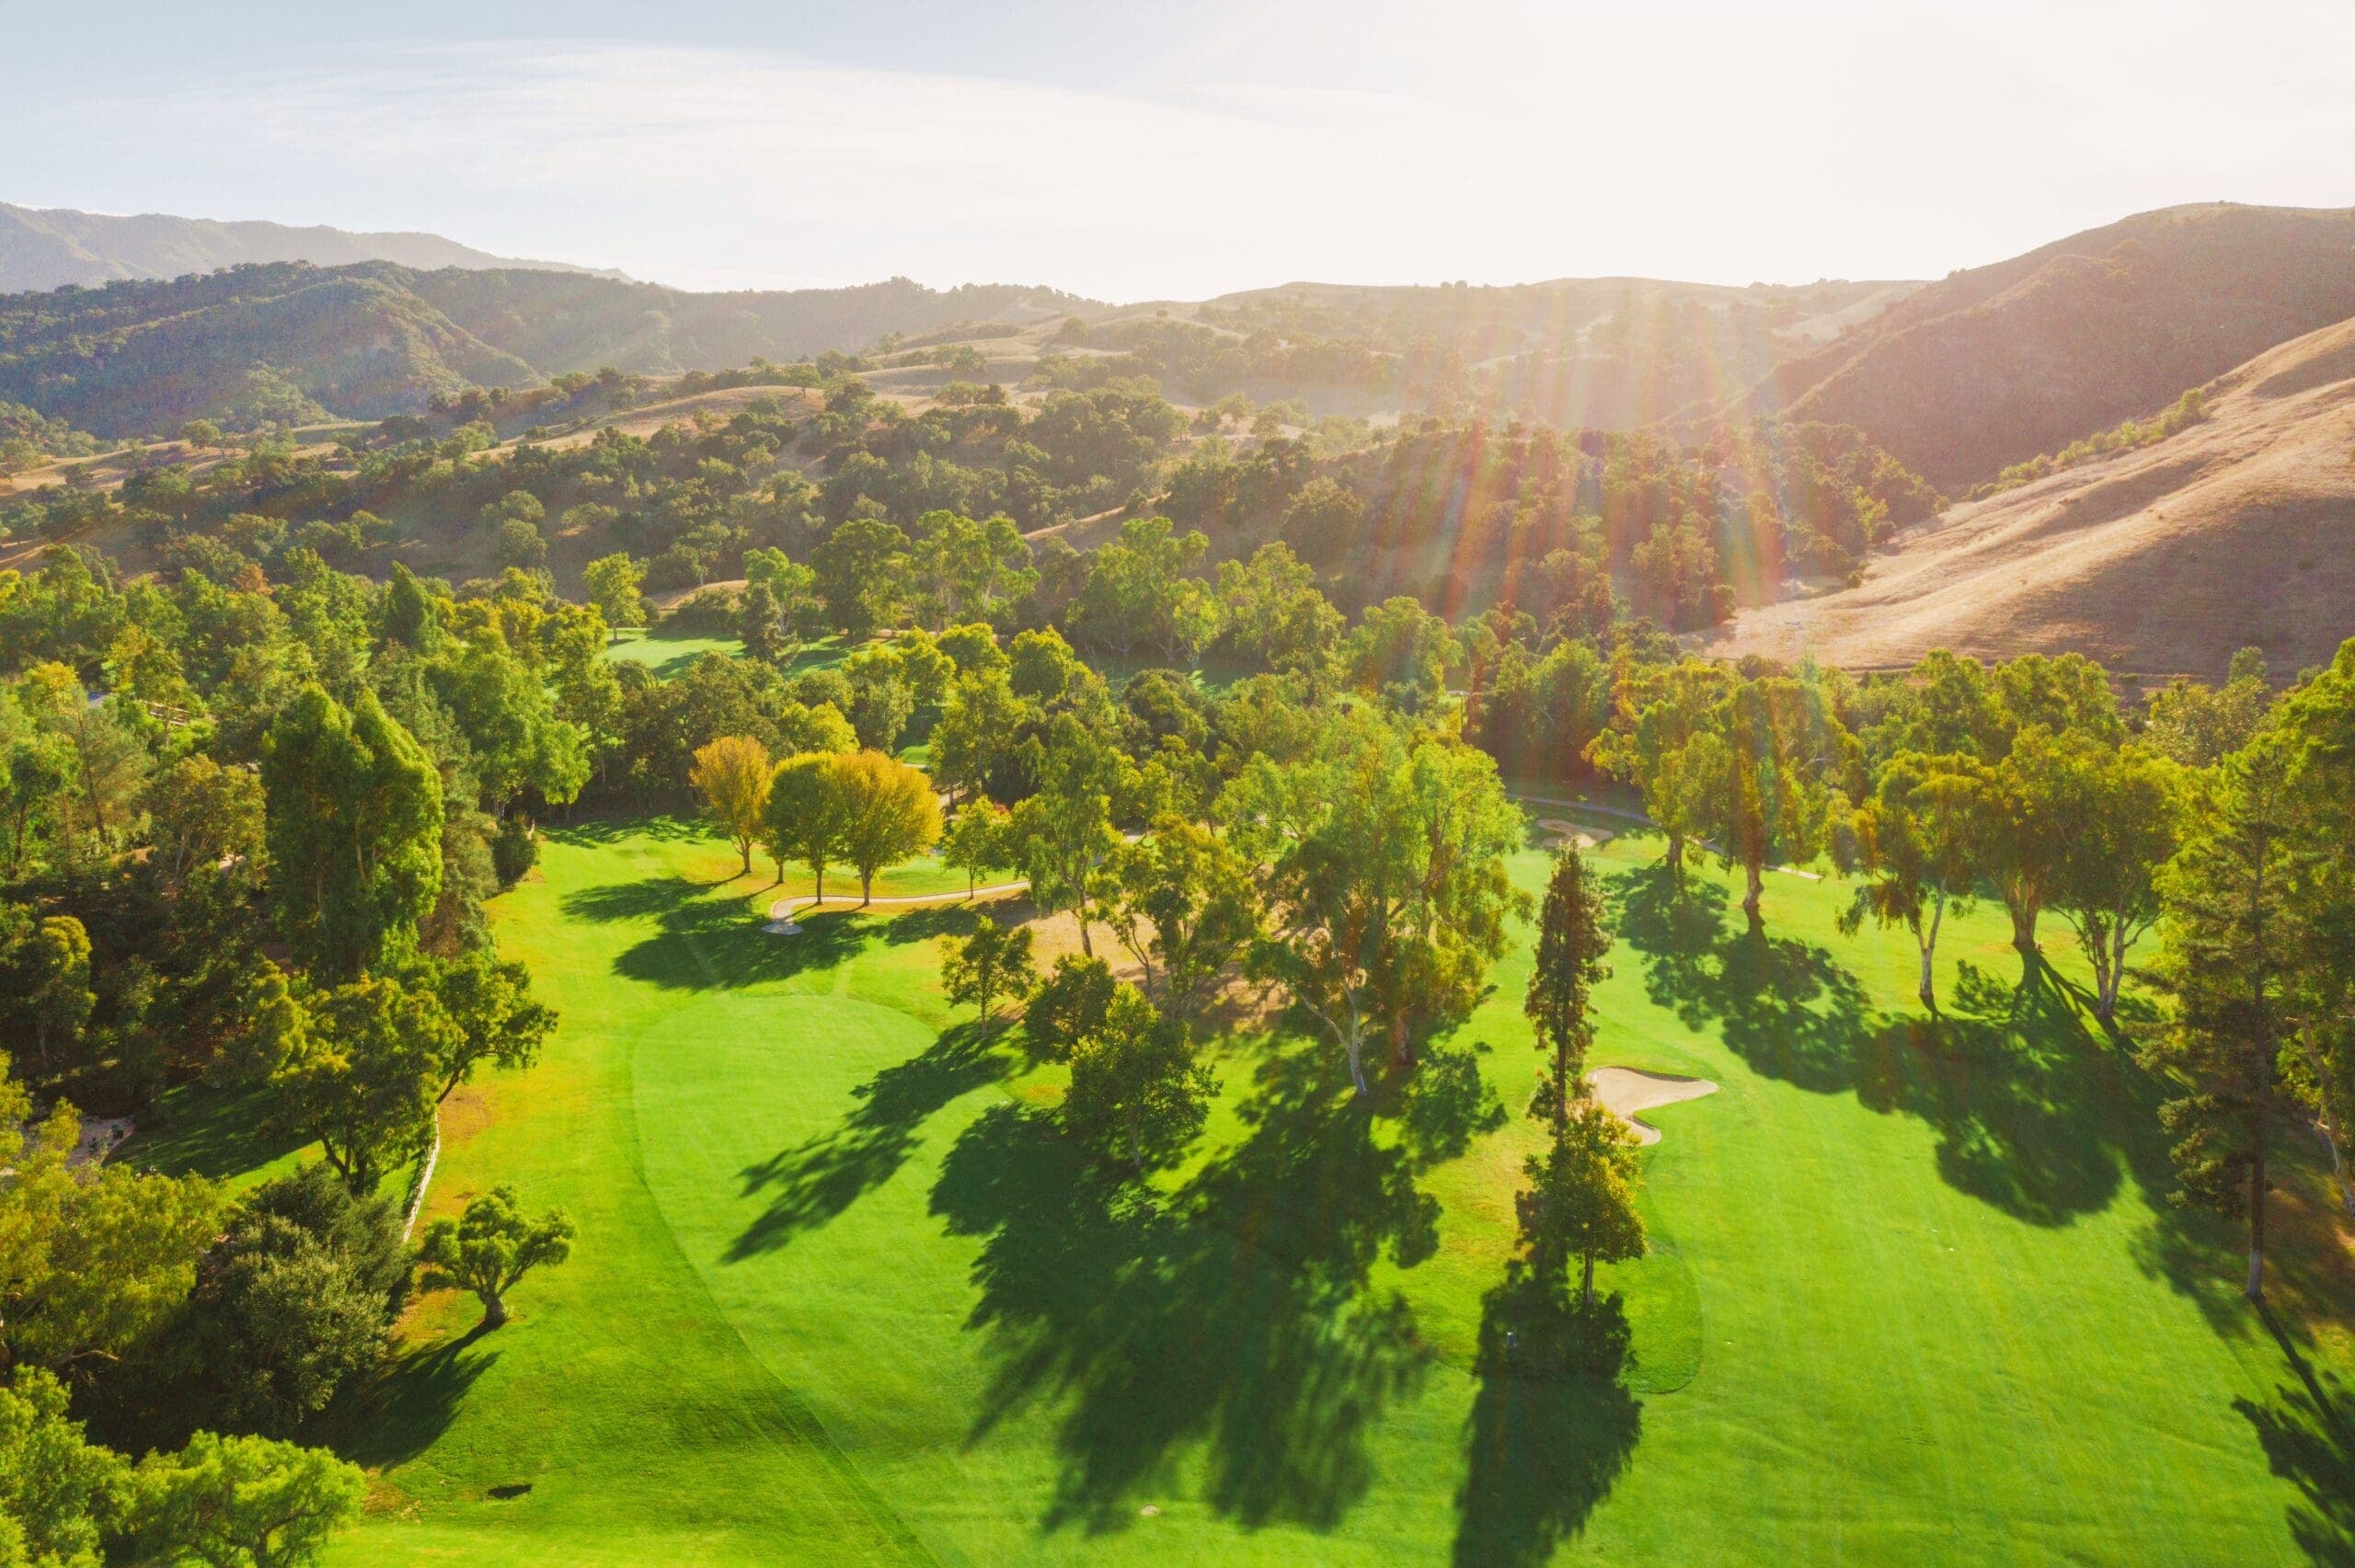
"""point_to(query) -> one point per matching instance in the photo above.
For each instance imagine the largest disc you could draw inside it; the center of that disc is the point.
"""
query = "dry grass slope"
(2238, 530)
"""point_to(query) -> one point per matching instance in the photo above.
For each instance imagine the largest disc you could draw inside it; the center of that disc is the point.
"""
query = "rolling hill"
(374, 338)
(44, 247)
(2237, 531)
(1998, 364)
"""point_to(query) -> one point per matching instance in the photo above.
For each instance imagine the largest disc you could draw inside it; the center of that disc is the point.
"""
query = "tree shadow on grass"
(715, 942)
(593, 832)
(1229, 1320)
(204, 1130)
(404, 1410)
(1553, 1425)
(819, 1178)
(2308, 1433)
(2036, 1114)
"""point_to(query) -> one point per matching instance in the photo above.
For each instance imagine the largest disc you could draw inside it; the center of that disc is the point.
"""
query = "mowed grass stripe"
(621, 1394)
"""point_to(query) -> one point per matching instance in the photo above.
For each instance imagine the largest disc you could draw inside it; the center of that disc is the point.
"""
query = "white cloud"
(1511, 141)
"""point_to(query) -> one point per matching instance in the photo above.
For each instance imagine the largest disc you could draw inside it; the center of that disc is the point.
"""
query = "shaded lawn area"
(845, 1292)
(668, 655)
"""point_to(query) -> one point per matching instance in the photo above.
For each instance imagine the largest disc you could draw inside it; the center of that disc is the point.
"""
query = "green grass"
(842, 1295)
(669, 656)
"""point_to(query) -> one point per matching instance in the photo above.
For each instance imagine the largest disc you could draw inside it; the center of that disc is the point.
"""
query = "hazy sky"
(1193, 147)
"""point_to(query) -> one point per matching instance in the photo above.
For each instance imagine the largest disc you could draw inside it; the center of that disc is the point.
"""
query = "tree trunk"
(1929, 952)
(1754, 890)
(1676, 861)
(1356, 1046)
(2337, 1165)
(745, 849)
(1087, 948)
(494, 1310)
(866, 887)
(2255, 1289)
(1586, 1291)
(1402, 1044)
(819, 873)
(2023, 926)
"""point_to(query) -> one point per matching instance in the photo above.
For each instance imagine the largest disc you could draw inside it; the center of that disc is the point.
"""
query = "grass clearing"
(841, 1295)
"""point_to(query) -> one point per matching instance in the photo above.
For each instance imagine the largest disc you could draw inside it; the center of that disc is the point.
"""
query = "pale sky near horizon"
(1195, 146)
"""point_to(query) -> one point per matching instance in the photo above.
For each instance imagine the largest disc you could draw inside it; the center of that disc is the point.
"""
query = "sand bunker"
(1627, 1091)
(1586, 837)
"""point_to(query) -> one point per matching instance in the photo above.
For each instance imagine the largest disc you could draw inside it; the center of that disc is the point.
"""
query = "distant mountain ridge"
(374, 338)
(44, 247)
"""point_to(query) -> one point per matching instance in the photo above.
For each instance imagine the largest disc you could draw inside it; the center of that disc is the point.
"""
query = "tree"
(1186, 909)
(110, 765)
(979, 840)
(1580, 1201)
(963, 569)
(359, 1070)
(1761, 774)
(880, 706)
(489, 1004)
(246, 1502)
(1069, 1005)
(45, 991)
(2122, 823)
(889, 813)
(39, 770)
(93, 1258)
(2229, 936)
(2018, 807)
(1913, 841)
(1138, 585)
(201, 815)
(355, 830)
(972, 744)
(992, 961)
(60, 1493)
(1274, 612)
(493, 1246)
(1136, 1090)
(807, 815)
(1383, 863)
(296, 1298)
(2318, 726)
(616, 585)
(862, 573)
(2198, 725)
(520, 543)
(505, 709)
(1573, 937)
(410, 620)
(1062, 836)
(1646, 748)
(757, 615)
(732, 776)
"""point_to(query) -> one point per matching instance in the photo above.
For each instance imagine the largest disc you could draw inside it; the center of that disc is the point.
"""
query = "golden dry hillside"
(2239, 530)
(1992, 365)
